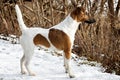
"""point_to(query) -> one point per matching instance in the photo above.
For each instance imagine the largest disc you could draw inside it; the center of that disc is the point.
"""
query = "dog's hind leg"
(28, 57)
(22, 64)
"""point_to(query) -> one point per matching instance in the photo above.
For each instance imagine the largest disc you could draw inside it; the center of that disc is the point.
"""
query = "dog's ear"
(78, 10)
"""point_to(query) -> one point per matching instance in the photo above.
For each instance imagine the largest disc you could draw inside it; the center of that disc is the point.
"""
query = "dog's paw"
(66, 71)
(32, 74)
(72, 76)
(23, 72)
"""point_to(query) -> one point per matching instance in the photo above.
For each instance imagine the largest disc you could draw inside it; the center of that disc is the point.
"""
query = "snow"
(46, 66)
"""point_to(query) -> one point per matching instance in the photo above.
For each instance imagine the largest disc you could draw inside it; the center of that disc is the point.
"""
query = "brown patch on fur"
(41, 40)
(61, 41)
(79, 14)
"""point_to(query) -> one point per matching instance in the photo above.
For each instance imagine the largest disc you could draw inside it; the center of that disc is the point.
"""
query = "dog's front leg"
(67, 63)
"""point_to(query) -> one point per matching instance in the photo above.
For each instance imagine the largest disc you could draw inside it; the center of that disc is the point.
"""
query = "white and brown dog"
(59, 37)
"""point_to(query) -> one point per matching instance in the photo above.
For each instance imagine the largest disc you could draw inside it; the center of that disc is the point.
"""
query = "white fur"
(20, 19)
(69, 26)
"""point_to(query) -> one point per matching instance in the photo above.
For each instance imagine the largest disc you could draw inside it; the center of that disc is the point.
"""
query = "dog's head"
(80, 15)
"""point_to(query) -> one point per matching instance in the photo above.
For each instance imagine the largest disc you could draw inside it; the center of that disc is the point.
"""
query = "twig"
(36, 13)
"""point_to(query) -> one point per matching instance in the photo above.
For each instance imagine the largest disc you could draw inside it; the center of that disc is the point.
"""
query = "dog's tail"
(19, 18)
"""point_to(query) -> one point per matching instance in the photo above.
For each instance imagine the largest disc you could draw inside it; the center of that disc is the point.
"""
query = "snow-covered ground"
(46, 66)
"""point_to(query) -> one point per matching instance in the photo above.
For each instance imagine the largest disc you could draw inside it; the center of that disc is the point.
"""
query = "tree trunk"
(111, 12)
(94, 7)
(117, 9)
(102, 6)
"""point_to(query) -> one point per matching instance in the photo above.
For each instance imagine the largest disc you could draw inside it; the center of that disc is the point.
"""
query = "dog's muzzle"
(90, 21)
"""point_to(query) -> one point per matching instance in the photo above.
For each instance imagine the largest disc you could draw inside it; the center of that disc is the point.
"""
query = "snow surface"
(46, 66)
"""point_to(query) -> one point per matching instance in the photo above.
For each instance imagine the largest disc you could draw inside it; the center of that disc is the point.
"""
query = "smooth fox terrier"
(59, 37)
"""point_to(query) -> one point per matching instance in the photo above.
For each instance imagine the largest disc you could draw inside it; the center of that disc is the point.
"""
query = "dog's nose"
(90, 21)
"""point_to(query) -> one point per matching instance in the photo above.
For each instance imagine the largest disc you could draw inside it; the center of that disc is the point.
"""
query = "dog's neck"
(69, 26)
